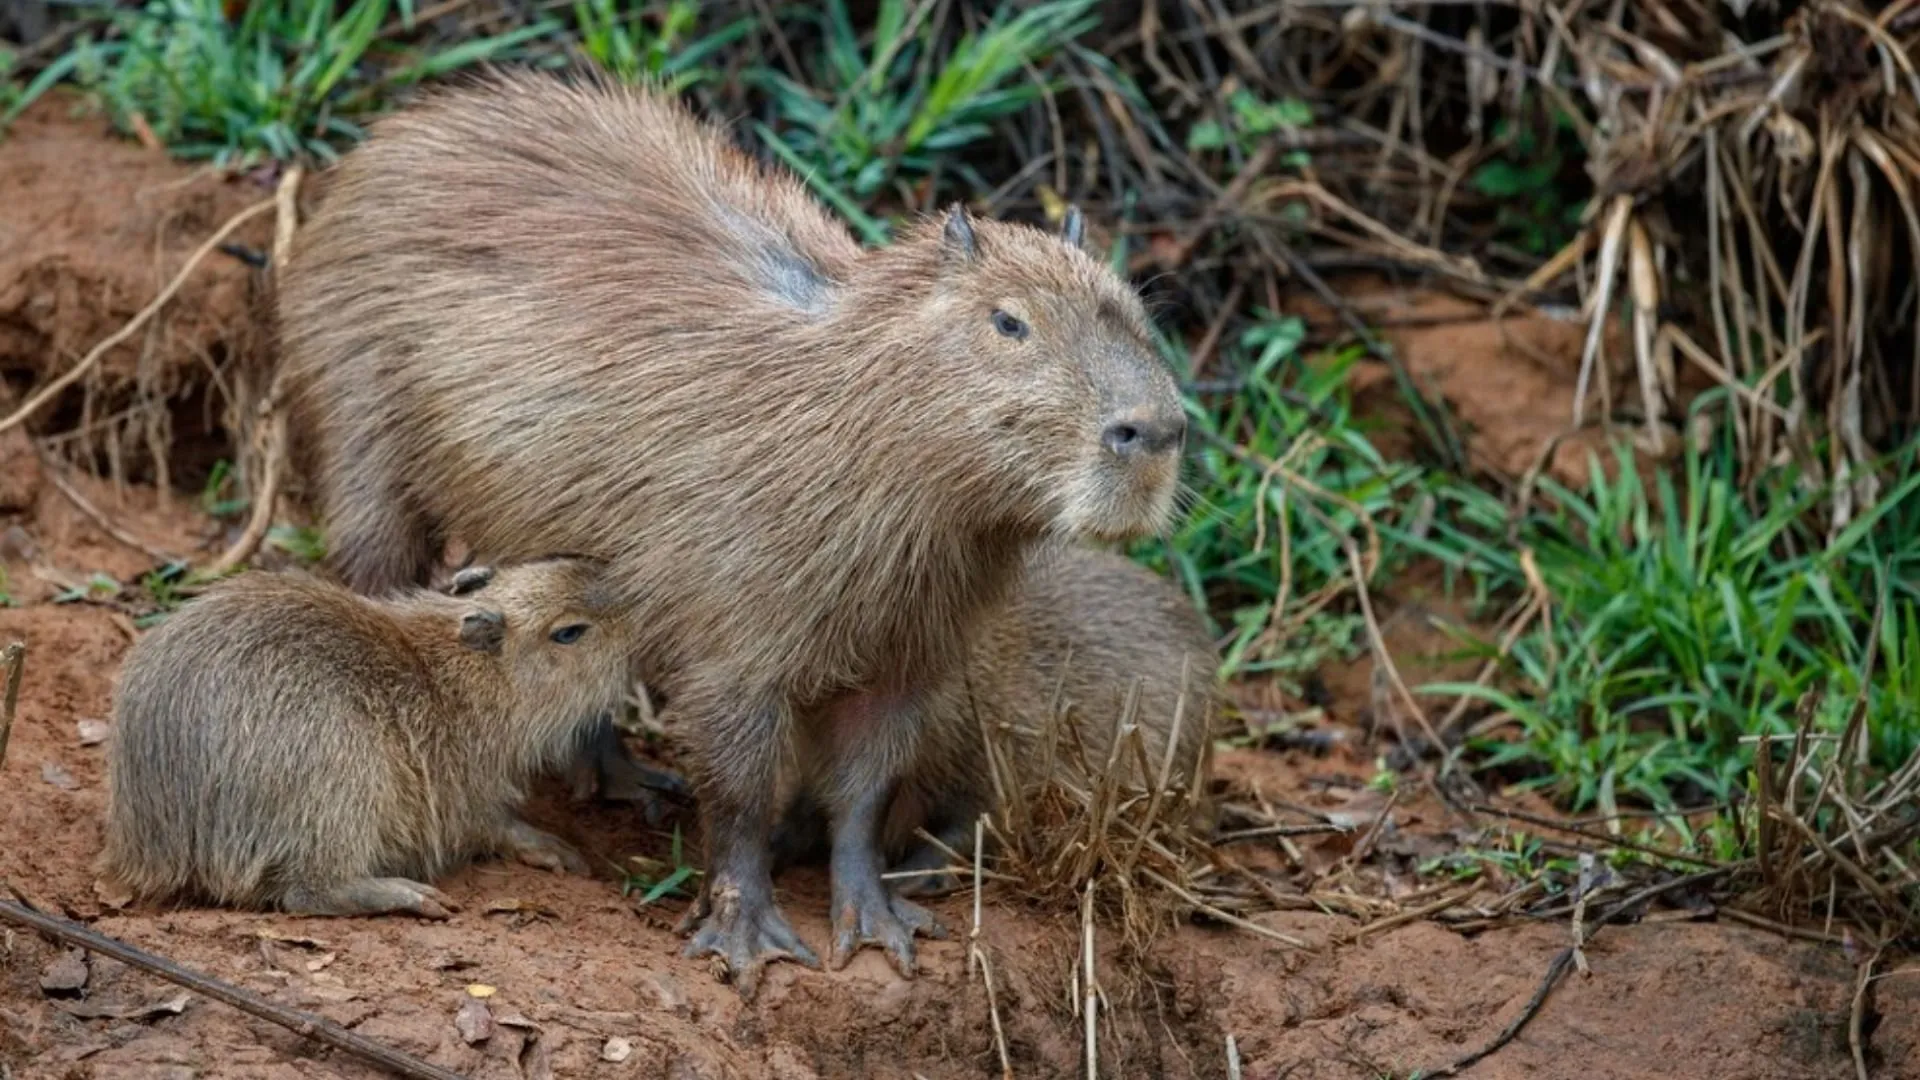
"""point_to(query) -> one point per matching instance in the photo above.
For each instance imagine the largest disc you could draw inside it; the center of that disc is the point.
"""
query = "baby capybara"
(1047, 677)
(280, 742)
(540, 316)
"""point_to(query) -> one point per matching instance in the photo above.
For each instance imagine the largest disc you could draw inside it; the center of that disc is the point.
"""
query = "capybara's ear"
(958, 234)
(470, 579)
(1074, 228)
(484, 631)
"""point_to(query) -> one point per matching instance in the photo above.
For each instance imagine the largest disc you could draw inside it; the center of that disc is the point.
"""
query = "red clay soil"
(587, 983)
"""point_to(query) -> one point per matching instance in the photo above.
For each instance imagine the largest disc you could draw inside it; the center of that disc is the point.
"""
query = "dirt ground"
(586, 983)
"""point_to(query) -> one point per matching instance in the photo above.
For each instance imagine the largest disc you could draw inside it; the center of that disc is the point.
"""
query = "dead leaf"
(58, 777)
(112, 895)
(94, 1010)
(328, 987)
(66, 975)
(480, 990)
(93, 732)
(617, 1050)
(515, 1020)
(474, 1022)
(266, 933)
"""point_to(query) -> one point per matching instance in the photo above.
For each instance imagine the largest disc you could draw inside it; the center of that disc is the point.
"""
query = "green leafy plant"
(654, 879)
(1535, 211)
(283, 81)
(1686, 618)
(891, 110)
(305, 543)
(1251, 119)
(98, 586)
(634, 45)
(1284, 482)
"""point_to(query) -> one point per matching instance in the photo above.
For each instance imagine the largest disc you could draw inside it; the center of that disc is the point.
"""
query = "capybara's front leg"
(873, 739)
(736, 917)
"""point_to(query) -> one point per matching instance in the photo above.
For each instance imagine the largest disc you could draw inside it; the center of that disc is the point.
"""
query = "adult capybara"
(539, 316)
(280, 742)
(1048, 676)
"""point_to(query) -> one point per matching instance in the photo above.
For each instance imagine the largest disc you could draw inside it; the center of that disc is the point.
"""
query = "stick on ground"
(301, 1023)
(15, 658)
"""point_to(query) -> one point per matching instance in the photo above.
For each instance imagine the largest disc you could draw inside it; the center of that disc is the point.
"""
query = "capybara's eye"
(567, 635)
(1008, 325)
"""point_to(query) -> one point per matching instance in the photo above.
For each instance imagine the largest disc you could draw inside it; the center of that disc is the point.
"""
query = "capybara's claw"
(876, 916)
(747, 937)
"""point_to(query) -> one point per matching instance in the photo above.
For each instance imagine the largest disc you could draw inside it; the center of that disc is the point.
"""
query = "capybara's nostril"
(1136, 436)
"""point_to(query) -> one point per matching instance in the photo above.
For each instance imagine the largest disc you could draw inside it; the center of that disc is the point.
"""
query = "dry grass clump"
(1068, 818)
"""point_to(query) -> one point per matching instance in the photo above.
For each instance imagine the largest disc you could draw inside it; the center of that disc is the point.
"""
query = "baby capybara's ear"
(470, 579)
(484, 631)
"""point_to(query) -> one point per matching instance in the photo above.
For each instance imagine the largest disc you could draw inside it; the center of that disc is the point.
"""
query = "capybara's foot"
(866, 912)
(604, 768)
(540, 849)
(743, 927)
(932, 870)
(371, 896)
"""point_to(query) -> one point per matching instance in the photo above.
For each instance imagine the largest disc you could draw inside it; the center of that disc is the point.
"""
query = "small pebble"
(617, 1050)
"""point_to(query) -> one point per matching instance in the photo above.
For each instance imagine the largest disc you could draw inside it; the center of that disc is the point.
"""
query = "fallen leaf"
(473, 1022)
(617, 1050)
(480, 990)
(58, 777)
(515, 1020)
(94, 1010)
(269, 934)
(66, 975)
(328, 987)
(93, 732)
(321, 962)
(114, 896)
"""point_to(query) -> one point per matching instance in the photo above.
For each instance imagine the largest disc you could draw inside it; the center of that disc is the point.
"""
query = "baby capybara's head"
(556, 628)
(1055, 366)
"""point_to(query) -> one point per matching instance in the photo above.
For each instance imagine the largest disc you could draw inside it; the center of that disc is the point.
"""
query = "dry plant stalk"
(15, 657)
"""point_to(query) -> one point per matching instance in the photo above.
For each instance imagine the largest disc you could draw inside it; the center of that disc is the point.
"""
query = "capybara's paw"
(873, 915)
(748, 933)
(371, 896)
(542, 850)
(931, 870)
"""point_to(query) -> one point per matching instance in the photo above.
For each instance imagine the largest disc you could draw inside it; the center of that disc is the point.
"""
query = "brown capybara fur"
(1048, 674)
(280, 742)
(538, 316)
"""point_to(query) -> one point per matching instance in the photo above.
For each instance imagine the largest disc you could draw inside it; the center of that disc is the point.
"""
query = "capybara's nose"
(1143, 434)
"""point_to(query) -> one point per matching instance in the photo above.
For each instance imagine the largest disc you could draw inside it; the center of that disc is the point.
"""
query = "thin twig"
(16, 661)
(1557, 969)
(78, 371)
(55, 473)
(317, 1028)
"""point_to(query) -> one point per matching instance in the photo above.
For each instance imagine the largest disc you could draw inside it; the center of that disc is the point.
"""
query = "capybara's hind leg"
(376, 539)
(605, 766)
(370, 896)
(539, 849)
